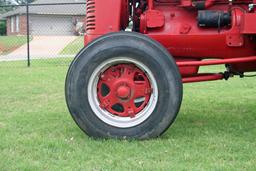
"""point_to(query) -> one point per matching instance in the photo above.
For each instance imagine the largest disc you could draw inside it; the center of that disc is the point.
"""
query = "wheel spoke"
(128, 72)
(141, 89)
(107, 78)
(108, 101)
(130, 109)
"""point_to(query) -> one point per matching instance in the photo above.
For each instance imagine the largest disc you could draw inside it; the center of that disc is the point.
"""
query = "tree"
(23, 1)
(2, 28)
(4, 6)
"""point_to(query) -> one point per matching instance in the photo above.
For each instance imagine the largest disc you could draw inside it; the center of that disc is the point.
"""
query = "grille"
(90, 16)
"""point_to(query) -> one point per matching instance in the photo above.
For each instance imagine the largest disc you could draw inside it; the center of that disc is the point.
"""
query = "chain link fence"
(41, 33)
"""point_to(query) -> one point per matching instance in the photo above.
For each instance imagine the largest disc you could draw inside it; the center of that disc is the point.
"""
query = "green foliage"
(2, 28)
(4, 6)
(24, 1)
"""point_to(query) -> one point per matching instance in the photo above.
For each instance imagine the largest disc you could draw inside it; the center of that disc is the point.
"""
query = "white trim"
(12, 24)
(17, 23)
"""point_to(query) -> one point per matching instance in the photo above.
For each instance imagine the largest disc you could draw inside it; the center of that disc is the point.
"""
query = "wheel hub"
(123, 90)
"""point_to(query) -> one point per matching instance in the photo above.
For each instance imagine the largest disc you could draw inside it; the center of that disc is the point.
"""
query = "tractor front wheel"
(124, 85)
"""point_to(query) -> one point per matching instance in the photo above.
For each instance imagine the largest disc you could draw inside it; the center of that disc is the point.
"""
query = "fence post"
(28, 37)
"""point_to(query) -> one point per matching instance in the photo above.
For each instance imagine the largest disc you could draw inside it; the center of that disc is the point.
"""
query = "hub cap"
(122, 92)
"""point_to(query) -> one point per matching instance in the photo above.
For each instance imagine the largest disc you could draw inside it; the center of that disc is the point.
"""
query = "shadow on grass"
(230, 121)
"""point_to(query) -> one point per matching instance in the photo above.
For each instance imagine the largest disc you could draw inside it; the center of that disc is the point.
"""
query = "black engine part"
(213, 19)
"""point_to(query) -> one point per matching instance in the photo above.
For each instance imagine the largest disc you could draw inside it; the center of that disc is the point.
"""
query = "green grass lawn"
(10, 43)
(215, 130)
(74, 47)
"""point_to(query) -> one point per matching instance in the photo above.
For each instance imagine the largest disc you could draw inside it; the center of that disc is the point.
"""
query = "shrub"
(2, 27)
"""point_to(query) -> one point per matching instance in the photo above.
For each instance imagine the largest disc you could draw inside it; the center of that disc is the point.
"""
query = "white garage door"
(51, 25)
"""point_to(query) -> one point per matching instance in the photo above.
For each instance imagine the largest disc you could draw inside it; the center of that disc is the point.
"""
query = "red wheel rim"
(123, 90)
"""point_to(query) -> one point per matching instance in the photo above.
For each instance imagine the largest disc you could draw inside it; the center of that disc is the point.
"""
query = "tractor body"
(192, 31)
(127, 82)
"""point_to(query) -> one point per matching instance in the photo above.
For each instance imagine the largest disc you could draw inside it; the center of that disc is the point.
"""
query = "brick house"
(46, 19)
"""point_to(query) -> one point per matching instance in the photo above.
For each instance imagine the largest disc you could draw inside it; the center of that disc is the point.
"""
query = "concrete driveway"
(40, 47)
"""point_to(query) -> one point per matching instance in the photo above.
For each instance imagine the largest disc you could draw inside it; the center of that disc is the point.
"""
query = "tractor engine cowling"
(102, 18)
(189, 30)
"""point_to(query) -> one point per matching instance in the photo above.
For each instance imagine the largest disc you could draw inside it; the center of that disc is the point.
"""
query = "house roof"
(60, 9)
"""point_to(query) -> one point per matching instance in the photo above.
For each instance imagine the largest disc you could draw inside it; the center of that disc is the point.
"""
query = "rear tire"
(124, 85)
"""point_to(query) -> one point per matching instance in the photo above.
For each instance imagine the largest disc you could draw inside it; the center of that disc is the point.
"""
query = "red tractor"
(127, 81)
